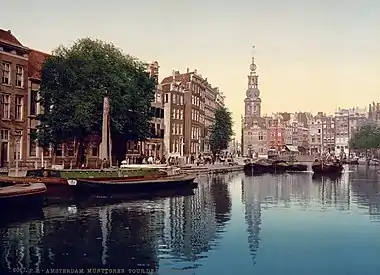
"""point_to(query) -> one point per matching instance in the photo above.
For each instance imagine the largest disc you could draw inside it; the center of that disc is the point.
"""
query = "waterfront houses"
(183, 112)
(186, 96)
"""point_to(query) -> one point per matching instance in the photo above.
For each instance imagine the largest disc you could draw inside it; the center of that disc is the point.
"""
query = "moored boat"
(327, 168)
(133, 184)
(351, 161)
(256, 168)
(28, 194)
(297, 167)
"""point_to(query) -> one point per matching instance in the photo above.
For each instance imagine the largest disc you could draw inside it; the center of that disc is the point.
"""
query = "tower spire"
(253, 77)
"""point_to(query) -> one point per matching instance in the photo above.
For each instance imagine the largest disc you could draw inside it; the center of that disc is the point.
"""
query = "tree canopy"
(74, 81)
(367, 137)
(221, 131)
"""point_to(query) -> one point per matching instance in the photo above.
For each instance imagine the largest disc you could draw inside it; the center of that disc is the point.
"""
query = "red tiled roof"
(185, 77)
(36, 59)
(8, 37)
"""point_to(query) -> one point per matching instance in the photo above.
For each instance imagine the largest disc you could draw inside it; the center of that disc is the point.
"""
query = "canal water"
(285, 224)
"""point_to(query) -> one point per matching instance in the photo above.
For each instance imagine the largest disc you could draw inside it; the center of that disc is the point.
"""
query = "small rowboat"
(28, 194)
(133, 184)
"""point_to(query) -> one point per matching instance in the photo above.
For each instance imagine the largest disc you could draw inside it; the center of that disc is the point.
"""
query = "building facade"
(347, 122)
(276, 130)
(328, 134)
(211, 104)
(173, 96)
(197, 93)
(14, 100)
(316, 134)
(254, 132)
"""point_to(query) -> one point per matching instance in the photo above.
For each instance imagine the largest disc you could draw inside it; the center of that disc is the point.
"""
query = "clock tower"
(252, 102)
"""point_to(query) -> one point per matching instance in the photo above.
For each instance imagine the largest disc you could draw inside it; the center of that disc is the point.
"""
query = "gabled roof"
(9, 38)
(36, 59)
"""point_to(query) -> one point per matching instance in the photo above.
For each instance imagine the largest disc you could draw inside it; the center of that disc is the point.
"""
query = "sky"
(312, 55)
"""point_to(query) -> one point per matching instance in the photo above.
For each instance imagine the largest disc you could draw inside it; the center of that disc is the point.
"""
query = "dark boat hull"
(297, 168)
(23, 198)
(138, 185)
(327, 168)
(351, 162)
(257, 169)
(279, 167)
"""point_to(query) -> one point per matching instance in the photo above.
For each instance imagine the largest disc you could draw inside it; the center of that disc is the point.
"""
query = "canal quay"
(231, 224)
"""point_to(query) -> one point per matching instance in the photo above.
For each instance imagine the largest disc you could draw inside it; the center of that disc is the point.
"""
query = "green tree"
(74, 81)
(366, 138)
(221, 131)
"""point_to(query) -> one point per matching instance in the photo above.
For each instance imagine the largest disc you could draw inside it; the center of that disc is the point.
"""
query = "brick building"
(211, 104)
(194, 86)
(276, 133)
(173, 96)
(14, 99)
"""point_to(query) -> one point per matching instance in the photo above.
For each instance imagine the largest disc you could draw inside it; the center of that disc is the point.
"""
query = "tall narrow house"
(14, 100)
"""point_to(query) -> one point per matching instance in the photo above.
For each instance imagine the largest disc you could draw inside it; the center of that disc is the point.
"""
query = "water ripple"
(254, 224)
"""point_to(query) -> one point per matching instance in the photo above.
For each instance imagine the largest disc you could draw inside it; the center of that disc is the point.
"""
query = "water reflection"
(170, 233)
(228, 217)
(309, 193)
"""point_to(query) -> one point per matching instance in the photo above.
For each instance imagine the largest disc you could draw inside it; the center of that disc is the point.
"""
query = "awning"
(291, 148)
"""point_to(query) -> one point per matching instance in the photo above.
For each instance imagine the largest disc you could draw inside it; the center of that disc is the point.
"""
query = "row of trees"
(74, 81)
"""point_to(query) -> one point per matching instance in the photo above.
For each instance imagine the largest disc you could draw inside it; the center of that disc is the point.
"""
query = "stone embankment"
(211, 169)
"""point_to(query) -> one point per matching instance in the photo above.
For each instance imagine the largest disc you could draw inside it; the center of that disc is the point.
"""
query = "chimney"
(195, 71)
(9, 31)
(187, 70)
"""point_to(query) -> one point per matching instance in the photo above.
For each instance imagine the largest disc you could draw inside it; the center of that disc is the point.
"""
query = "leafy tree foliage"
(221, 131)
(368, 137)
(74, 81)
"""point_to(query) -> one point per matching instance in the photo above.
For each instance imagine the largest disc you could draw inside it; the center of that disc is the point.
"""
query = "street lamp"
(17, 135)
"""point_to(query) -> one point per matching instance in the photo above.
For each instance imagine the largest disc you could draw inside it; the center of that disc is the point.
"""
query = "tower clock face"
(253, 67)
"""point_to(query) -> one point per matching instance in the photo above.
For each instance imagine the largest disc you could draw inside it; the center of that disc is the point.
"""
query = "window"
(18, 137)
(33, 102)
(158, 97)
(19, 77)
(70, 149)
(59, 151)
(6, 77)
(47, 152)
(32, 143)
(18, 107)
(174, 98)
(166, 98)
(95, 150)
(5, 104)
(4, 134)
